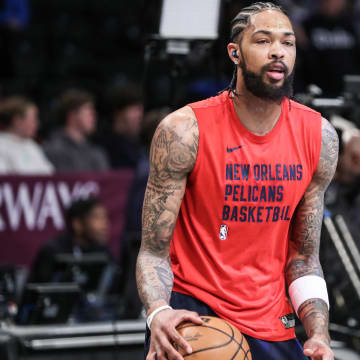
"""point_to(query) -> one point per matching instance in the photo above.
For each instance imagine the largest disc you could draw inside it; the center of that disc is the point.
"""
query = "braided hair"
(241, 22)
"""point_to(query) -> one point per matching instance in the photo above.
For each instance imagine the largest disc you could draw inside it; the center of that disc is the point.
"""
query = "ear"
(234, 53)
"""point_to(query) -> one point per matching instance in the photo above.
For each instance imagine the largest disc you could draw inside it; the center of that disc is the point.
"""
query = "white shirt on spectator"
(22, 156)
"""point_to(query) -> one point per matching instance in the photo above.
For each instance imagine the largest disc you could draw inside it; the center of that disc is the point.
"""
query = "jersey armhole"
(194, 171)
(318, 149)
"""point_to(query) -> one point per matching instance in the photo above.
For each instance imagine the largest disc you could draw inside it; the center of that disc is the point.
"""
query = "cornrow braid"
(241, 21)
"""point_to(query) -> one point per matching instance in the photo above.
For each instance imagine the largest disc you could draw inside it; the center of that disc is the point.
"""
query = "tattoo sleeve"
(303, 256)
(172, 156)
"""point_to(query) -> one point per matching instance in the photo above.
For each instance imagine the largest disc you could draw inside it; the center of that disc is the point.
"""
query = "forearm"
(153, 272)
(314, 316)
(304, 245)
(303, 262)
(302, 266)
(313, 313)
(154, 280)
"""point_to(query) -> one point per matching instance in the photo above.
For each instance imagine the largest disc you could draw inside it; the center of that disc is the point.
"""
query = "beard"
(255, 84)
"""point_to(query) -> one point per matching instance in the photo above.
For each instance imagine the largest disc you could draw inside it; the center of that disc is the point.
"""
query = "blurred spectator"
(69, 149)
(89, 262)
(136, 198)
(14, 16)
(329, 47)
(342, 201)
(122, 141)
(298, 10)
(343, 194)
(349, 161)
(19, 153)
(87, 232)
(132, 230)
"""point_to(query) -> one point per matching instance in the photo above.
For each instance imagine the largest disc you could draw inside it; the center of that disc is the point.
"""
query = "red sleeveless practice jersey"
(230, 243)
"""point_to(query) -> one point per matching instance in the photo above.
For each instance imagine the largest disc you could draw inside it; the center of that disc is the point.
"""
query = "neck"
(258, 115)
(74, 134)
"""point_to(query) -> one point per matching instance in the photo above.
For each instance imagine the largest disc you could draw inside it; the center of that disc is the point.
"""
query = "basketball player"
(234, 204)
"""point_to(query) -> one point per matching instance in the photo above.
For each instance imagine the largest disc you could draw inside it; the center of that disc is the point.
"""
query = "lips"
(277, 67)
(276, 71)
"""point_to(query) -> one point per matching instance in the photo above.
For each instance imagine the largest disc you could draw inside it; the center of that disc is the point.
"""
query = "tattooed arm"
(303, 256)
(172, 157)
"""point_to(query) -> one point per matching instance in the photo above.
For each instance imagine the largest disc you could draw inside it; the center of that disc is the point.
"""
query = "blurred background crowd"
(74, 79)
(83, 85)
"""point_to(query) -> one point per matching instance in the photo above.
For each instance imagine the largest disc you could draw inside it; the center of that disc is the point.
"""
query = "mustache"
(266, 67)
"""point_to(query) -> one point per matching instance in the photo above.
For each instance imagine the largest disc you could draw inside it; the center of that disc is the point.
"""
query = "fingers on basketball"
(189, 316)
(214, 339)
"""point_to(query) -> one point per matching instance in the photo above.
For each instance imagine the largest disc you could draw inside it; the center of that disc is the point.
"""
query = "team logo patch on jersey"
(288, 320)
(223, 232)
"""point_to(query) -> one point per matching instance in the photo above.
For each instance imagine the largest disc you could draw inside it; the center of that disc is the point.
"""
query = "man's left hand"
(318, 350)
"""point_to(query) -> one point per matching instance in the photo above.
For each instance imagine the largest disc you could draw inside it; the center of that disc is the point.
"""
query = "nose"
(276, 51)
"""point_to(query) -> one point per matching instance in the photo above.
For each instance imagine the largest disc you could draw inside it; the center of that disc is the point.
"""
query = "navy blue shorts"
(260, 349)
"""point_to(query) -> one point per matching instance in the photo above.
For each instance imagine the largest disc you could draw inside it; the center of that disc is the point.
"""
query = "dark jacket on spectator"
(68, 155)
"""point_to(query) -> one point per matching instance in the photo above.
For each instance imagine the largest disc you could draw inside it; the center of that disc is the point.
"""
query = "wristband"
(307, 287)
(151, 316)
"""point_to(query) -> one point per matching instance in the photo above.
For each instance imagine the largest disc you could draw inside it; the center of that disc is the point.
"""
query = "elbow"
(301, 266)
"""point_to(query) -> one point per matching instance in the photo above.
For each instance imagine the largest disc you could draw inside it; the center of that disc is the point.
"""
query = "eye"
(261, 41)
(289, 43)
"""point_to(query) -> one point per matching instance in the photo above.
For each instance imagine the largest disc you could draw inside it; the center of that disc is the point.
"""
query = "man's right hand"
(164, 334)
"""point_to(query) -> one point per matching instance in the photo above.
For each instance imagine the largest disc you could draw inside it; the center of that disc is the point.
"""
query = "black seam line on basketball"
(232, 335)
(232, 339)
(246, 354)
(213, 347)
(214, 328)
(209, 348)
(239, 344)
(240, 348)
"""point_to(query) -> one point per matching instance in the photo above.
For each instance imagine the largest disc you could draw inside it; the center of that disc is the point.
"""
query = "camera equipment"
(87, 270)
(348, 104)
(47, 303)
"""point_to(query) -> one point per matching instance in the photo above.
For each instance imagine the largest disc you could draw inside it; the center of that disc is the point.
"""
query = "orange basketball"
(215, 339)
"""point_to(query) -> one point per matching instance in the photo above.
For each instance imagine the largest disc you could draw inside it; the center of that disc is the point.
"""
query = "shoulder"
(328, 154)
(33, 145)
(175, 142)
(56, 142)
(60, 244)
(96, 149)
(181, 123)
(329, 138)
(300, 108)
(4, 142)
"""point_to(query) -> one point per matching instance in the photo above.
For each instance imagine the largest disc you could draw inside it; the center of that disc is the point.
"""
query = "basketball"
(215, 339)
